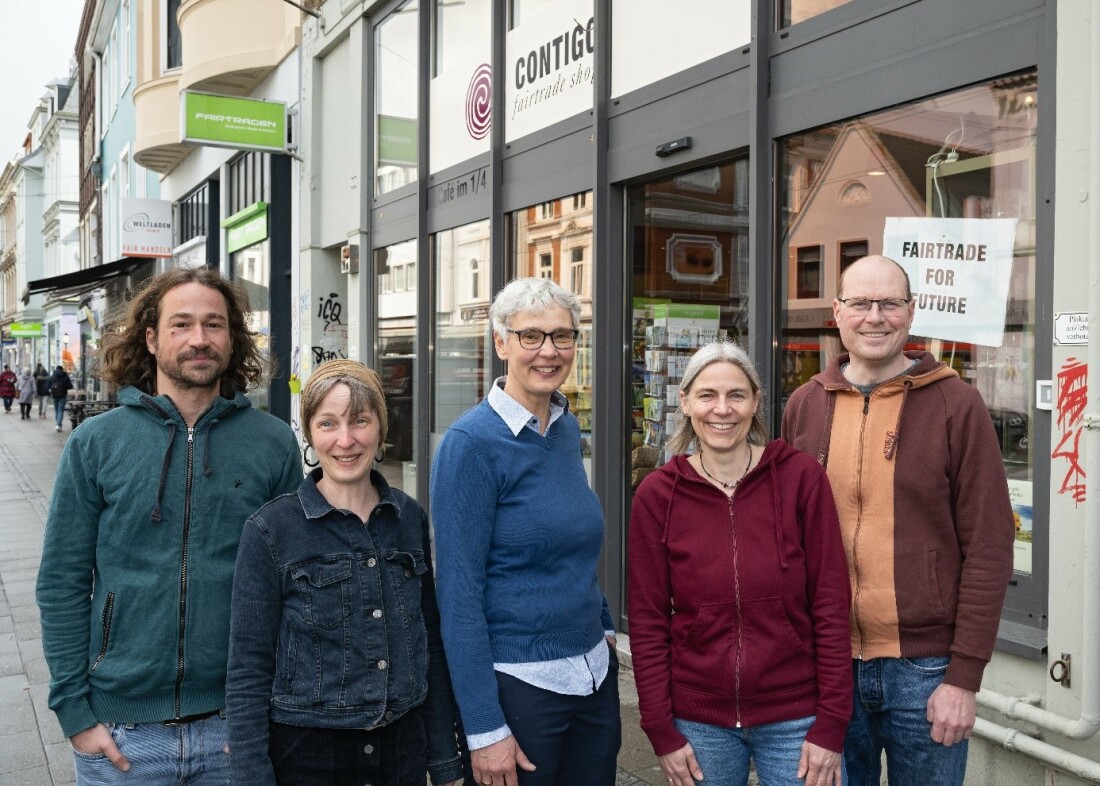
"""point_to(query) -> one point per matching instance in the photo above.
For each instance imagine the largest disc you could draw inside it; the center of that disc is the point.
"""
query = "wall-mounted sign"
(245, 228)
(26, 329)
(1071, 328)
(238, 123)
(146, 228)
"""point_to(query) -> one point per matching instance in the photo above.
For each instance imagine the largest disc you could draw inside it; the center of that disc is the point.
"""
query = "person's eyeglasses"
(888, 306)
(532, 338)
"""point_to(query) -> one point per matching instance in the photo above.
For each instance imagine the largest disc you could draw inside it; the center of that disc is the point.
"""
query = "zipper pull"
(190, 433)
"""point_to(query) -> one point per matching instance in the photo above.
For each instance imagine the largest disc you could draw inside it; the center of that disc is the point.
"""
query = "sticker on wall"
(959, 270)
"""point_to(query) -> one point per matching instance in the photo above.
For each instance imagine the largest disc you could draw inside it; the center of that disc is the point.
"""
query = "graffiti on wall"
(1072, 400)
(333, 341)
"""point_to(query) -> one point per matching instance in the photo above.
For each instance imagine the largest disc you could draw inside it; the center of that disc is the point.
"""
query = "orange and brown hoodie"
(920, 488)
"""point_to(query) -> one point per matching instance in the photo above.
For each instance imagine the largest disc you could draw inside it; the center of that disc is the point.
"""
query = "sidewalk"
(33, 751)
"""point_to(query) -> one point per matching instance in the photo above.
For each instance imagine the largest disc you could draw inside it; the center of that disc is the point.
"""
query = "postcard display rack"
(678, 329)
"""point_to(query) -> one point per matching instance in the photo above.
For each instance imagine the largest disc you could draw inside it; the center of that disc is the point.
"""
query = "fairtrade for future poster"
(959, 269)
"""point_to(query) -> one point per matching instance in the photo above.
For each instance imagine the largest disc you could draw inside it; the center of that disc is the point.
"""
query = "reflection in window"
(809, 272)
(395, 84)
(688, 250)
(791, 12)
(535, 241)
(519, 11)
(396, 363)
(969, 155)
(459, 27)
(462, 348)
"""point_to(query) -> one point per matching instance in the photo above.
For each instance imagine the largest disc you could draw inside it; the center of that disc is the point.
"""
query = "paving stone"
(27, 629)
(21, 751)
(60, 758)
(39, 776)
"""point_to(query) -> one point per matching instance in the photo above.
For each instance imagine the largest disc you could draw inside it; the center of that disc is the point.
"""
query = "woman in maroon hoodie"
(738, 595)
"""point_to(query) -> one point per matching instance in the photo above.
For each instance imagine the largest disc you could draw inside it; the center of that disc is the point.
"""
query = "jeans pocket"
(931, 666)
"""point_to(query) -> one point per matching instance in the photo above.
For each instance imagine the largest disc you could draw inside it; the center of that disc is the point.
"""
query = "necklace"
(723, 483)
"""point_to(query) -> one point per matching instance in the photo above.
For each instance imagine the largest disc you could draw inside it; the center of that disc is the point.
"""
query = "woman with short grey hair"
(518, 535)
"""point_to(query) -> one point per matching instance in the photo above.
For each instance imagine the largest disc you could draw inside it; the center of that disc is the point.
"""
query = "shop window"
(396, 362)
(519, 11)
(791, 12)
(808, 281)
(968, 155)
(395, 84)
(688, 253)
(460, 91)
(528, 237)
(457, 28)
(193, 213)
(710, 29)
(460, 362)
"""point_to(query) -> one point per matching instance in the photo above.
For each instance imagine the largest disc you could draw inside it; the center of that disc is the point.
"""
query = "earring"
(305, 457)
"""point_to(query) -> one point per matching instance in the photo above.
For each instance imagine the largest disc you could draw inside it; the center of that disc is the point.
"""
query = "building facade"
(720, 187)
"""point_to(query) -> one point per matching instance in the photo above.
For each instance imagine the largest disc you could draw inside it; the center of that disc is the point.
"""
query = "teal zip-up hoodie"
(137, 564)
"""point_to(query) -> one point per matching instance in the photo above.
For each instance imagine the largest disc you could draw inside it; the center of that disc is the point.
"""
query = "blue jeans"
(192, 753)
(724, 753)
(571, 739)
(59, 410)
(891, 706)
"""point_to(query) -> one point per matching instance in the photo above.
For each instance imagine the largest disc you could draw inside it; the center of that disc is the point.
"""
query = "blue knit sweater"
(518, 534)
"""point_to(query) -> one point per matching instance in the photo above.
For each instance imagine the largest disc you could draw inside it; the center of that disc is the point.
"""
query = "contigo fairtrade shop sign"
(238, 123)
(146, 228)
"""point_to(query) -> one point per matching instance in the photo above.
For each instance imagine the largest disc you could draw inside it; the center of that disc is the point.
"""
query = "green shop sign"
(239, 123)
(245, 228)
(26, 329)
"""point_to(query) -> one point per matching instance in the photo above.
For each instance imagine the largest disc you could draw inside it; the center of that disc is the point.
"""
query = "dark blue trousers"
(570, 739)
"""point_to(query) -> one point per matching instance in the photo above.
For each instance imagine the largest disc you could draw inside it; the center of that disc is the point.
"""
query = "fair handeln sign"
(146, 229)
(238, 123)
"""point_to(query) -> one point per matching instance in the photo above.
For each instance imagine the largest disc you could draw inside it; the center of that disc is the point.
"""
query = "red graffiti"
(1072, 392)
(1072, 400)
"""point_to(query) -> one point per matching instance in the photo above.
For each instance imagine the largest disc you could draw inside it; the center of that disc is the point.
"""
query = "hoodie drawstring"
(155, 515)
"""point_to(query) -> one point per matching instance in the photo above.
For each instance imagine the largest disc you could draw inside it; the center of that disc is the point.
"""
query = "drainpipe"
(1088, 723)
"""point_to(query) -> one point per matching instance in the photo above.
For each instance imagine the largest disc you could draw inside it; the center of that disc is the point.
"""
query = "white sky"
(37, 42)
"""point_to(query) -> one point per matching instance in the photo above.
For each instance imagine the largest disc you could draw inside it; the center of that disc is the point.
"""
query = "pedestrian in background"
(527, 630)
(345, 563)
(916, 467)
(142, 534)
(7, 387)
(738, 594)
(42, 388)
(24, 387)
(60, 385)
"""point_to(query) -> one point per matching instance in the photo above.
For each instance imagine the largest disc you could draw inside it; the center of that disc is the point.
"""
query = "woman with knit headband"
(336, 667)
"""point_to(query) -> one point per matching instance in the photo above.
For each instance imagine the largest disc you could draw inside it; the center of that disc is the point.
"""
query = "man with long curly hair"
(147, 510)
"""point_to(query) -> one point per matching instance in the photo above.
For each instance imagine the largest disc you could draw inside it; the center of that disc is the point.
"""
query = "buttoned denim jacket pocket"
(312, 663)
(406, 572)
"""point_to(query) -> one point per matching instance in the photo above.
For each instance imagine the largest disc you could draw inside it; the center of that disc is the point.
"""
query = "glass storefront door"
(688, 239)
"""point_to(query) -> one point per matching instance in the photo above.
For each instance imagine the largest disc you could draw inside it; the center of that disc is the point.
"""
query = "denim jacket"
(335, 625)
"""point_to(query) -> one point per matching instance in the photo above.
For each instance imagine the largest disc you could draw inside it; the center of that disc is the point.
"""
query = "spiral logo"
(479, 103)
